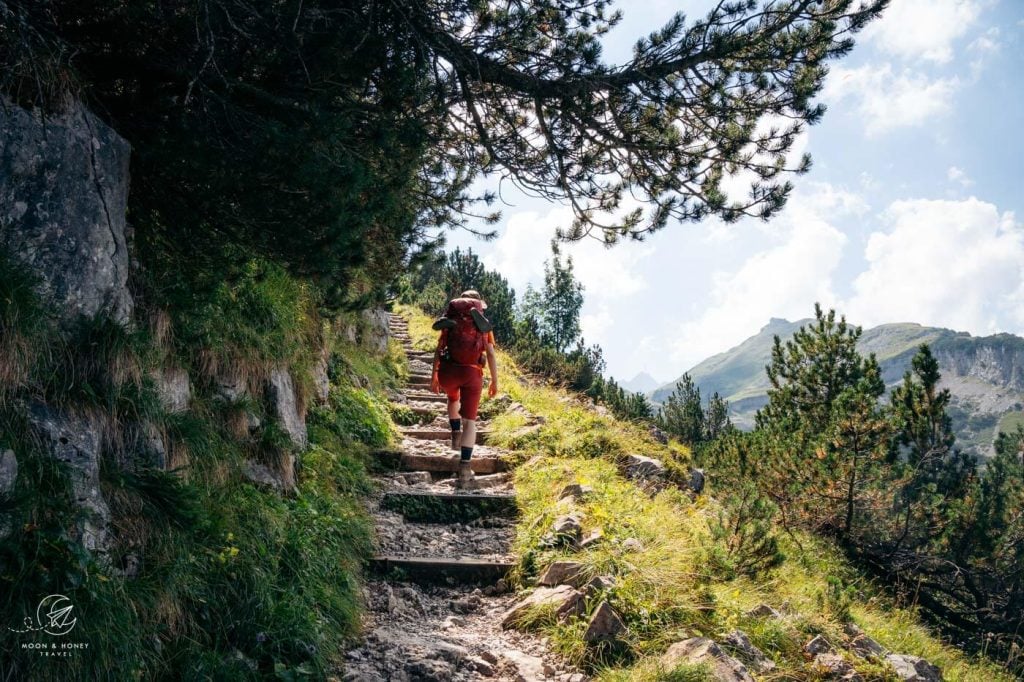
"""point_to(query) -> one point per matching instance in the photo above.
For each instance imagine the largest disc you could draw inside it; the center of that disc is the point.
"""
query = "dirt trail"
(435, 610)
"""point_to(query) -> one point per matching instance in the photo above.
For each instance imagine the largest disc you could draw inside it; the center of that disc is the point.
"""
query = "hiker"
(466, 343)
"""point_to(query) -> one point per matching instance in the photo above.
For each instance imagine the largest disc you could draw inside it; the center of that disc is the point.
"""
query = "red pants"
(464, 383)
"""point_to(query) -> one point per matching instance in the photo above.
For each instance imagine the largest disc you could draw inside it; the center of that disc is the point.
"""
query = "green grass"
(682, 584)
(235, 581)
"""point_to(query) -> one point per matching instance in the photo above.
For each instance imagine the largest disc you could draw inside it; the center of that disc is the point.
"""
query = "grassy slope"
(235, 581)
(681, 584)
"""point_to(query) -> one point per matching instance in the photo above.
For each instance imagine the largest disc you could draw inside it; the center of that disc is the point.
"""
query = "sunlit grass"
(678, 585)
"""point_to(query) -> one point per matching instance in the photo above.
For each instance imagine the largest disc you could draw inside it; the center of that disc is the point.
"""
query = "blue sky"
(913, 211)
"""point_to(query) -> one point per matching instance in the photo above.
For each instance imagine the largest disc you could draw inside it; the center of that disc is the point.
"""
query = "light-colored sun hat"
(473, 293)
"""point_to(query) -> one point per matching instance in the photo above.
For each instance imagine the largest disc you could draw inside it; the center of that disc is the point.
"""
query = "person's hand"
(435, 383)
(492, 390)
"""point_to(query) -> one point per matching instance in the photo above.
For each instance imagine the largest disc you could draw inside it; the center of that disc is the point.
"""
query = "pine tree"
(267, 129)
(560, 302)
(682, 414)
(936, 475)
(823, 403)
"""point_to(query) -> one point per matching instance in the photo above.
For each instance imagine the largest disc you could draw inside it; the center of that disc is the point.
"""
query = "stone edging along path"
(438, 597)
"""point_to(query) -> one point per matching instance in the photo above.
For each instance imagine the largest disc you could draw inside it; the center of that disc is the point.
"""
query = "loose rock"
(605, 624)
(738, 640)
(565, 600)
(914, 668)
(818, 645)
(562, 573)
(763, 611)
(837, 667)
(698, 650)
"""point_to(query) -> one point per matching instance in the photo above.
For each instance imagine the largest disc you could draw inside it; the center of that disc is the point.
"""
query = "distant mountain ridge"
(641, 383)
(985, 374)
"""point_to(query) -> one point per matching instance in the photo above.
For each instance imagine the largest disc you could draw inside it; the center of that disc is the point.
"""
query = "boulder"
(271, 477)
(230, 388)
(527, 668)
(321, 381)
(575, 491)
(763, 611)
(647, 472)
(284, 404)
(914, 668)
(657, 434)
(836, 667)
(598, 584)
(376, 330)
(593, 537)
(75, 442)
(697, 481)
(566, 601)
(633, 545)
(565, 530)
(639, 467)
(700, 650)
(562, 573)
(861, 644)
(818, 645)
(174, 389)
(754, 657)
(604, 624)
(63, 195)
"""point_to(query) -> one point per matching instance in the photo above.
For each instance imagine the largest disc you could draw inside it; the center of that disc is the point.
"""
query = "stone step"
(433, 434)
(456, 507)
(439, 463)
(432, 570)
(421, 397)
(421, 409)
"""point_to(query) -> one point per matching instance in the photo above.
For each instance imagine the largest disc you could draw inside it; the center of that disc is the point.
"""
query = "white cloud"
(957, 175)
(924, 29)
(886, 100)
(606, 273)
(957, 264)
(782, 281)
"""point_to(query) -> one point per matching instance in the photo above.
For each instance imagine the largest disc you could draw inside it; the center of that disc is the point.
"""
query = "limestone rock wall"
(63, 194)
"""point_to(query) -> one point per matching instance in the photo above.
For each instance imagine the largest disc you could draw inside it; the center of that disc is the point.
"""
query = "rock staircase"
(434, 610)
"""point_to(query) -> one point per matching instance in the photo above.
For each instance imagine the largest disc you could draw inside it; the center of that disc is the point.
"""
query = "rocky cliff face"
(63, 197)
(996, 360)
(985, 375)
(63, 193)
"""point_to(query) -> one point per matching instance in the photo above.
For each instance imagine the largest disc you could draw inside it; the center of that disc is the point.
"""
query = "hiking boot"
(456, 440)
(483, 325)
(442, 323)
(465, 479)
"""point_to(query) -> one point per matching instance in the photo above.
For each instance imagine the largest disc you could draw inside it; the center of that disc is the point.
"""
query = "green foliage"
(622, 403)
(262, 317)
(745, 528)
(353, 414)
(230, 580)
(556, 306)
(684, 416)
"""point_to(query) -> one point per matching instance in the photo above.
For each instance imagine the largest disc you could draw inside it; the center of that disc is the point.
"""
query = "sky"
(913, 210)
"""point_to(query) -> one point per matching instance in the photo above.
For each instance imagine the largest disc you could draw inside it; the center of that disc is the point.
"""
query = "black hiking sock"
(456, 424)
(466, 453)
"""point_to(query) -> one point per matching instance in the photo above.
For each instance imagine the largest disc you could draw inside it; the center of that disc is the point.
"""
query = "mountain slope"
(984, 374)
